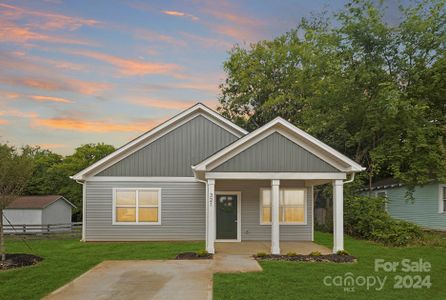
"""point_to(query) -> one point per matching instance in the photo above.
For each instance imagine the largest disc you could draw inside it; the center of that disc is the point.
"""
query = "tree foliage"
(15, 171)
(373, 90)
(51, 174)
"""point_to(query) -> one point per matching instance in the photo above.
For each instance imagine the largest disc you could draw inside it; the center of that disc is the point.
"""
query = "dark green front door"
(227, 217)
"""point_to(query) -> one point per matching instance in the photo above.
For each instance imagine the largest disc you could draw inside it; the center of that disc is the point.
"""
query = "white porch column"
(275, 234)
(210, 239)
(338, 215)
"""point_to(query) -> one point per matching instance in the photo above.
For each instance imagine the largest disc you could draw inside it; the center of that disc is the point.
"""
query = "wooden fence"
(75, 227)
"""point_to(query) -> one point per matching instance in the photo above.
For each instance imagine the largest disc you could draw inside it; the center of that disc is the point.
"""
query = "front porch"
(248, 216)
(254, 247)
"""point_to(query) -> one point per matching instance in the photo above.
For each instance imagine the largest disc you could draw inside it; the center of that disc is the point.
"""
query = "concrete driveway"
(153, 279)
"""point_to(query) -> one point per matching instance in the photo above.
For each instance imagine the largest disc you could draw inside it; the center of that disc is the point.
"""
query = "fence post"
(48, 228)
(24, 228)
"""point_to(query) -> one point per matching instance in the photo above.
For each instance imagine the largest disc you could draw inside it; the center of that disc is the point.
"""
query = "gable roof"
(157, 132)
(36, 202)
(301, 138)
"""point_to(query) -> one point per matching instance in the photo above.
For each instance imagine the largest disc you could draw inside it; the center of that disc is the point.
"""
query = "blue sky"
(76, 72)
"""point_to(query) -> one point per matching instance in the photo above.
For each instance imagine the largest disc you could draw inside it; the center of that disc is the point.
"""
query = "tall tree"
(82, 157)
(370, 89)
(15, 171)
(41, 181)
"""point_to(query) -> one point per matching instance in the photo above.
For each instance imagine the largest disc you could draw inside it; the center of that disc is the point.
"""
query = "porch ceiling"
(254, 247)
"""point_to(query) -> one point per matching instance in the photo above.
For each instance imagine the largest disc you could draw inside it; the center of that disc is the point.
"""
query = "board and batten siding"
(182, 212)
(174, 153)
(275, 153)
(250, 214)
(423, 211)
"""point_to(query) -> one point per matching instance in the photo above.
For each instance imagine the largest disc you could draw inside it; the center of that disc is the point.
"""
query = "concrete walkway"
(153, 279)
(254, 247)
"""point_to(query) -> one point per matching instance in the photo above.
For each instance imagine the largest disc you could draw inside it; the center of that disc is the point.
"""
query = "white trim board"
(441, 208)
(267, 175)
(157, 132)
(137, 178)
(301, 138)
(239, 215)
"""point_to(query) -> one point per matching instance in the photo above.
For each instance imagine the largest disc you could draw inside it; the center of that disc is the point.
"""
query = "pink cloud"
(57, 84)
(81, 125)
(130, 67)
(179, 14)
(50, 99)
(4, 122)
(45, 20)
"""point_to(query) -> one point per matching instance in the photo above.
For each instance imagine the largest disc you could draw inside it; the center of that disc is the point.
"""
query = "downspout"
(206, 204)
(84, 208)
(352, 177)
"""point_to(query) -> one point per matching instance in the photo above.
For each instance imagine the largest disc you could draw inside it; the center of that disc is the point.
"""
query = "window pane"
(294, 214)
(266, 215)
(148, 197)
(266, 197)
(444, 205)
(148, 214)
(444, 193)
(124, 197)
(125, 214)
(293, 197)
(281, 213)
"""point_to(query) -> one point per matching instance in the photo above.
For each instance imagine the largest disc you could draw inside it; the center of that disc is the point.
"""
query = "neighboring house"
(198, 176)
(38, 210)
(427, 210)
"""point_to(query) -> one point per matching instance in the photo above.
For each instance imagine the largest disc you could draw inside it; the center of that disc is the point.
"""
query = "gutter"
(352, 177)
(84, 207)
(207, 206)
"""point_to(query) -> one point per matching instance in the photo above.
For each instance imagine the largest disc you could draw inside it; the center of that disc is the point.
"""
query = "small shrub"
(342, 252)
(315, 253)
(202, 253)
(291, 254)
(261, 254)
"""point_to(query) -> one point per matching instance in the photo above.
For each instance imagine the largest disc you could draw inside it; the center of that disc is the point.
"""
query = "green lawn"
(294, 280)
(68, 258)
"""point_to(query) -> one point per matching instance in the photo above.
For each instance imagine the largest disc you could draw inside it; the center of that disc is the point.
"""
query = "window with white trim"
(137, 206)
(292, 206)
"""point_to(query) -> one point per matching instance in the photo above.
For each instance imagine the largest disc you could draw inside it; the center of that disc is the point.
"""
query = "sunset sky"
(76, 72)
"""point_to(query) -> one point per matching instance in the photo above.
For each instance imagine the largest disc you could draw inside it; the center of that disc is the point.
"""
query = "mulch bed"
(337, 258)
(193, 255)
(17, 260)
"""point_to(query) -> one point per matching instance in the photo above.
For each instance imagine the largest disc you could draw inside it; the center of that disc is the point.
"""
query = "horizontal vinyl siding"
(251, 228)
(275, 153)
(423, 211)
(182, 213)
(174, 153)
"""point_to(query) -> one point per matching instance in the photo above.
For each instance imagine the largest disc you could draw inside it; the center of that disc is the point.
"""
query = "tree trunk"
(2, 241)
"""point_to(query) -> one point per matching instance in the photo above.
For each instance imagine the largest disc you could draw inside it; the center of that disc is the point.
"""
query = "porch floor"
(254, 247)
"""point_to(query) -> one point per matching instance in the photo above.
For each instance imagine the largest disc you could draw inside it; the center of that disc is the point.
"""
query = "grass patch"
(293, 280)
(66, 259)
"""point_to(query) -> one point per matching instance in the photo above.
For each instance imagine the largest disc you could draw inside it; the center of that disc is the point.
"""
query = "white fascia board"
(269, 175)
(221, 156)
(140, 178)
(158, 132)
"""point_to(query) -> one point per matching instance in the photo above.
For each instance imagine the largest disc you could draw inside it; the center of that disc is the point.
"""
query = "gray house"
(428, 208)
(198, 176)
(37, 210)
